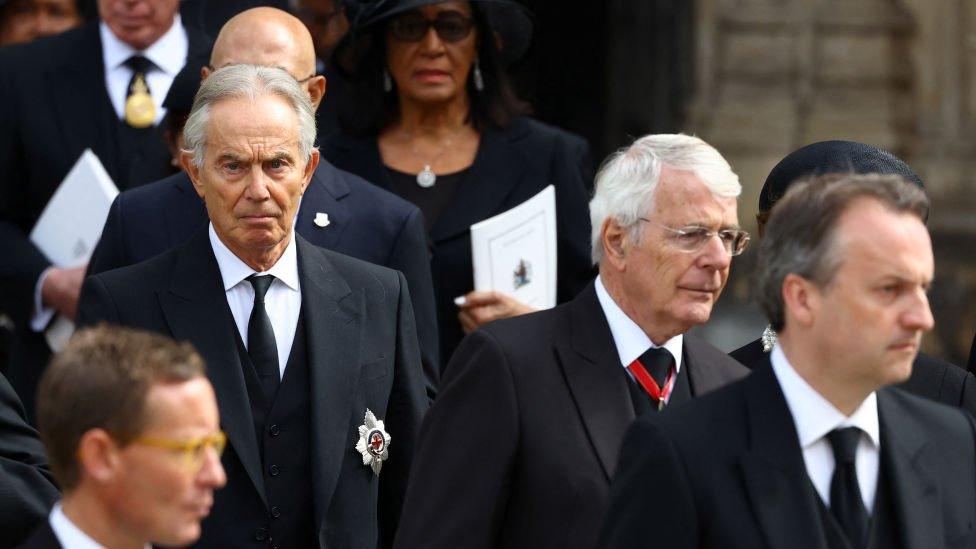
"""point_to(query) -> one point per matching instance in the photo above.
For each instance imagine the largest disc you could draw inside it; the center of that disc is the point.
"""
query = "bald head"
(268, 37)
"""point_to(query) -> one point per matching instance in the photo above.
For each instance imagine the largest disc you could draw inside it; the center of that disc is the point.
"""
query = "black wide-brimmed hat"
(510, 21)
(831, 157)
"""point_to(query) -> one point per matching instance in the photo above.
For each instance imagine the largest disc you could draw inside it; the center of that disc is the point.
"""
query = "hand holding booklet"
(71, 224)
(514, 252)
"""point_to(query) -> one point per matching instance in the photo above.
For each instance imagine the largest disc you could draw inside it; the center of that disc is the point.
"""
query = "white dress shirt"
(815, 417)
(69, 535)
(283, 300)
(168, 54)
(629, 339)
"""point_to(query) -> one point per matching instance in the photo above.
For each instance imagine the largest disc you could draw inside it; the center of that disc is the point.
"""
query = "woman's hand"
(477, 308)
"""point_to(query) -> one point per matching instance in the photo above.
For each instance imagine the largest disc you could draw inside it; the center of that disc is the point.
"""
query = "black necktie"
(845, 494)
(261, 346)
(657, 361)
(139, 66)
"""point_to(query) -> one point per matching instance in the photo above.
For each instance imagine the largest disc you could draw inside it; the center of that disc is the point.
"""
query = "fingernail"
(460, 300)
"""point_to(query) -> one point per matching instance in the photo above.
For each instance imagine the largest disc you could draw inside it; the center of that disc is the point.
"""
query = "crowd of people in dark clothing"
(278, 341)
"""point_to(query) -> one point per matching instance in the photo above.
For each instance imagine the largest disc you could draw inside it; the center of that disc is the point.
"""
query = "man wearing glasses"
(520, 447)
(131, 426)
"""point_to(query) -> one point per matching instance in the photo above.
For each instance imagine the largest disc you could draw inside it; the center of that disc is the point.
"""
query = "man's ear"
(313, 162)
(801, 299)
(204, 73)
(98, 456)
(191, 169)
(316, 90)
(615, 241)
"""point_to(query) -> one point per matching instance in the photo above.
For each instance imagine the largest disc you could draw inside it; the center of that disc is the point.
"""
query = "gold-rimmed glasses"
(693, 238)
(194, 451)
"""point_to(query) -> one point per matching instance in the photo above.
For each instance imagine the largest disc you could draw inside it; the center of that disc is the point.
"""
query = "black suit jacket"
(521, 444)
(42, 538)
(931, 378)
(728, 473)
(511, 166)
(362, 352)
(365, 222)
(54, 105)
(27, 489)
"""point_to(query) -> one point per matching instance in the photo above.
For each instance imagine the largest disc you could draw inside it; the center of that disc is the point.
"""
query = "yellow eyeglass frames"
(194, 451)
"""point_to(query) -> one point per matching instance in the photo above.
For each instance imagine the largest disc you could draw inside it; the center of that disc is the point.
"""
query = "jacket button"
(274, 471)
(275, 512)
(274, 430)
(261, 534)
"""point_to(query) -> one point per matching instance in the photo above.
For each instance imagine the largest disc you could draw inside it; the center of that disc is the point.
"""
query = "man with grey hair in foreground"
(520, 446)
(812, 450)
(313, 355)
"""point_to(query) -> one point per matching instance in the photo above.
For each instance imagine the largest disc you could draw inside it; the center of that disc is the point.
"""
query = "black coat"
(362, 353)
(42, 538)
(511, 166)
(521, 444)
(54, 105)
(728, 472)
(365, 222)
(931, 378)
(27, 489)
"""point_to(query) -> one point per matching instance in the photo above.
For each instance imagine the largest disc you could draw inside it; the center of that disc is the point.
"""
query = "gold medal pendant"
(140, 111)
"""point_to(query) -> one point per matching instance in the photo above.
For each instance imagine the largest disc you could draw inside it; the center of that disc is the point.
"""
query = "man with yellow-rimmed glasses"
(131, 426)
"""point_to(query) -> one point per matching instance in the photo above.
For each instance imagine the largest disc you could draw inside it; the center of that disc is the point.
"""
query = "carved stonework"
(774, 75)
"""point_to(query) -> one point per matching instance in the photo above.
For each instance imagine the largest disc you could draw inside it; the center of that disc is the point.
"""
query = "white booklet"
(514, 252)
(71, 224)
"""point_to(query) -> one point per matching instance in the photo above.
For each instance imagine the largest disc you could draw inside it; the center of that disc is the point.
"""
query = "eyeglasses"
(691, 239)
(450, 26)
(194, 451)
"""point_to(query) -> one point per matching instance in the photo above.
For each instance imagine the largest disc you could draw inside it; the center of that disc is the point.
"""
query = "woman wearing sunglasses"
(432, 117)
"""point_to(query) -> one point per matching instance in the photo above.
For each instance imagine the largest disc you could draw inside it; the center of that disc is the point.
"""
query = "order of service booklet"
(514, 252)
(71, 224)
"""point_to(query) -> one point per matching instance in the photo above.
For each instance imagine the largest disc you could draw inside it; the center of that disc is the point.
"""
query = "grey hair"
(627, 180)
(251, 82)
(800, 235)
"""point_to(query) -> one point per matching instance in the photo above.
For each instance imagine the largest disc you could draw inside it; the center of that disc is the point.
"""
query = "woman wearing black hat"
(431, 116)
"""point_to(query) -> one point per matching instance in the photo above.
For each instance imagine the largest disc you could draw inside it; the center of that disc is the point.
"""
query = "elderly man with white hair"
(520, 447)
(313, 355)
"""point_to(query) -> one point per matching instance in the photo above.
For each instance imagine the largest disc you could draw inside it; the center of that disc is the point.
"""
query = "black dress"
(512, 165)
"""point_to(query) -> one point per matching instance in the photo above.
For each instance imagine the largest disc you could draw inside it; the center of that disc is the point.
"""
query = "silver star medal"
(374, 442)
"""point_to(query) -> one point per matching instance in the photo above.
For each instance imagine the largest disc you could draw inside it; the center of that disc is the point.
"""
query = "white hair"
(251, 82)
(627, 180)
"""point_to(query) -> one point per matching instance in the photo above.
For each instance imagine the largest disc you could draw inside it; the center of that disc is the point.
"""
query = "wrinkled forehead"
(682, 198)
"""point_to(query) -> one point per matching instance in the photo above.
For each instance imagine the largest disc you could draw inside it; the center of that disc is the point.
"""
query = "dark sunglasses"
(450, 26)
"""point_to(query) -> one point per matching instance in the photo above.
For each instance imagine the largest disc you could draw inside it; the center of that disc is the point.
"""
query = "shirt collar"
(68, 534)
(629, 339)
(813, 415)
(168, 53)
(233, 271)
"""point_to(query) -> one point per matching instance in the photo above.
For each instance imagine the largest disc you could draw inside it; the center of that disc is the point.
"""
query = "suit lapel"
(497, 168)
(774, 472)
(196, 310)
(912, 482)
(708, 368)
(324, 195)
(595, 378)
(333, 316)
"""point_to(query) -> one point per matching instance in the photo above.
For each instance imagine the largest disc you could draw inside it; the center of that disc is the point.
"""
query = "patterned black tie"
(140, 111)
(261, 346)
(845, 494)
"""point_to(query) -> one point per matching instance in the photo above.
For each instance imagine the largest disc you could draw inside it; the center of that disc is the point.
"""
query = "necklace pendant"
(426, 178)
